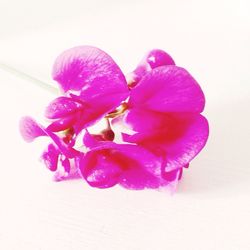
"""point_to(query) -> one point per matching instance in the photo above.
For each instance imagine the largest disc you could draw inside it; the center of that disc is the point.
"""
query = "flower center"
(119, 111)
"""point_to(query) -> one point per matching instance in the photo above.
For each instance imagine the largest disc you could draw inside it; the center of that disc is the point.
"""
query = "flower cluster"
(154, 111)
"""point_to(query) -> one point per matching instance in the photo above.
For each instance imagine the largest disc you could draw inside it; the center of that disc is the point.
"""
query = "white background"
(211, 209)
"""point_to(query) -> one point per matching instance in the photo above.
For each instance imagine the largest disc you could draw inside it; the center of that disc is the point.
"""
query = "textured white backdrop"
(211, 209)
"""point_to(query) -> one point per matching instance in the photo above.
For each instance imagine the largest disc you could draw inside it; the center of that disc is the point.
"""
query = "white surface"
(211, 209)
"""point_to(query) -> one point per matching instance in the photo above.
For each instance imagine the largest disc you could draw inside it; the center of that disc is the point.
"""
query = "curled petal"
(66, 170)
(156, 58)
(97, 141)
(30, 129)
(168, 89)
(131, 166)
(88, 72)
(76, 121)
(63, 123)
(153, 59)
(180, 143)
(65, 164)
(61, 107)
(89, 140)
(50, 157)
(99, 169)
(64, 148)
(183, 150)
(141, 169)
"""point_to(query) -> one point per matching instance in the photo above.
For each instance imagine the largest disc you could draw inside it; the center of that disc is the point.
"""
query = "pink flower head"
(161, 103)
(93, 85)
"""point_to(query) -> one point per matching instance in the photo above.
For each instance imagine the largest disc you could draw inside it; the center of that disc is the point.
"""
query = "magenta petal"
(181, 151)
(50, 157)
(97, 108)
(139, 156)
(61, 107)
(64, 148)
(144, 120)
(168, 89)
(99, 170)
(173, 175)
(138, 153)
(88, 72)
(100, 141)
(66, 164)
(153, 59)
(138, 178)
(89, 140)
(156, 58)
(65, 170)
(180, 143)
(30, 129)
(63, 123)
(139, 168)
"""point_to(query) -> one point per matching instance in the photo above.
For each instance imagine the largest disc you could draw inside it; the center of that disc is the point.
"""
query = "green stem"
(32, 79)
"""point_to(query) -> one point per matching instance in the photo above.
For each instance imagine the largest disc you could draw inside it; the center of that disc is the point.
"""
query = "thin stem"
(32, 79)
(107, 123)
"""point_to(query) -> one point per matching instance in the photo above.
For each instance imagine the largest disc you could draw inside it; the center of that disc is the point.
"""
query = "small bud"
(108, 134)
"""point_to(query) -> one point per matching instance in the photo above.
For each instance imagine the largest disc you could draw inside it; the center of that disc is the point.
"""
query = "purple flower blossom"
(160, 103)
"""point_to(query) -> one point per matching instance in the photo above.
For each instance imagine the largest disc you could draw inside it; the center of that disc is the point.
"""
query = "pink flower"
(93, 85)
(161, 104)
(164, 112)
